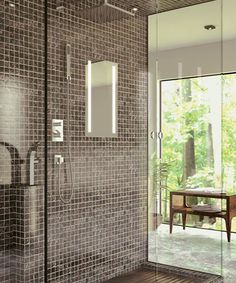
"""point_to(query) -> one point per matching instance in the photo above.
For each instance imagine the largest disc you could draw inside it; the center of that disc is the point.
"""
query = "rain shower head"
(105, 12)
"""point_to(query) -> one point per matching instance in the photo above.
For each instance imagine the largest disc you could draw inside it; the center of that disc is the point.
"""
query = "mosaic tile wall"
(21, 125)
(102, 232)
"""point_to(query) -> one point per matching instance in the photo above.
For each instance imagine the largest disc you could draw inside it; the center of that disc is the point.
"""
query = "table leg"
(171, 214)
(228, 219)
(171, 221)
(228, 228)
(184, 216)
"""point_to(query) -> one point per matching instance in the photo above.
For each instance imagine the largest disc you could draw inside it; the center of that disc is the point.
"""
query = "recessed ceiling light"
(209, 27)
(134, 10)
(12, 5)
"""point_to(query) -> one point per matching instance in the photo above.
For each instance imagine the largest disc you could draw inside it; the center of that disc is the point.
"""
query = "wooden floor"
(150, 276)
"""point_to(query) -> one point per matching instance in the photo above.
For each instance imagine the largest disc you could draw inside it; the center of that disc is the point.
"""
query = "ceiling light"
(209, 27)
(12, 5)
(134, 10)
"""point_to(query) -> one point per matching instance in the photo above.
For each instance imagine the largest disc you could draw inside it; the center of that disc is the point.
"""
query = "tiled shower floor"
(196, 249)
(5, 265)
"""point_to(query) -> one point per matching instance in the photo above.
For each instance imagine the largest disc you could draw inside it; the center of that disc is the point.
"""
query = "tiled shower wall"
(21, 125)
(102, 232)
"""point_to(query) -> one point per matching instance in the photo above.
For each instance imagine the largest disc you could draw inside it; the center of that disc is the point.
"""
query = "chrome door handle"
(160, 135)
(152, 135)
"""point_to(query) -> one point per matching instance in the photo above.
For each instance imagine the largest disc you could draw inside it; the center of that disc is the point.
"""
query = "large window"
(199, 127)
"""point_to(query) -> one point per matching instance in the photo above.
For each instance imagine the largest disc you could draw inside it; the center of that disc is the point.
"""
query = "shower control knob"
(37, 160)
(58, 159)
(57, 130)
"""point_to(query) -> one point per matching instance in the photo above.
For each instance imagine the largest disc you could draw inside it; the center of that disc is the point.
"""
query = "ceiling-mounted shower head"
(60, 5)
(105, 12)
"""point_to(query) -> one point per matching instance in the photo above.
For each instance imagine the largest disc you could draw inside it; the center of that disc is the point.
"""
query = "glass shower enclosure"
(73, 112)
(79, 195)
(191, 130)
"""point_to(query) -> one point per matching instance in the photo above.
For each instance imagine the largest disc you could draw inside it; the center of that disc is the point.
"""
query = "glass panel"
(229, 126)
(191, 122)
(187, 133)
(97, 181)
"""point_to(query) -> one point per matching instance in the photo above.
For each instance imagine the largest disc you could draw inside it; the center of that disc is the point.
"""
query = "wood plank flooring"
(150, 276)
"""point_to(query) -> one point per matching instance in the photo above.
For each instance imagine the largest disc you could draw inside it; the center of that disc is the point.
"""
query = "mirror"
(101, 99)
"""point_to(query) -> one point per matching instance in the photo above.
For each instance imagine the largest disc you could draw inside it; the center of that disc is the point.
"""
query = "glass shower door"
(97, 63)
(185, 102)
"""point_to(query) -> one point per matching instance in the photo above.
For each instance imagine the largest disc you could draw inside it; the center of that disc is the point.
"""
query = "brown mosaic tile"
(102, 232)
(21, 125)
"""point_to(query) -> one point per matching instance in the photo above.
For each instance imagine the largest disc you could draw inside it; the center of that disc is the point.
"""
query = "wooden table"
(226, 214)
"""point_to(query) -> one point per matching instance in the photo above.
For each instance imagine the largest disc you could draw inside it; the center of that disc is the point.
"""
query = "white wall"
(195, 60)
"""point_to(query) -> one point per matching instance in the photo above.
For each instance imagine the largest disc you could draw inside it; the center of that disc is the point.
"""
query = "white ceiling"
(185, 27)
